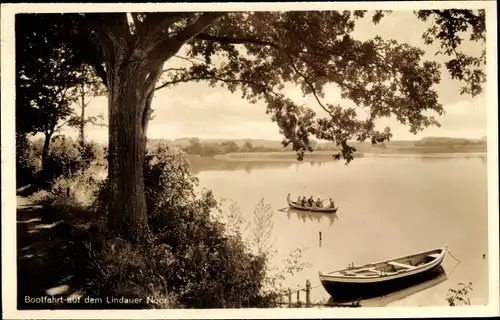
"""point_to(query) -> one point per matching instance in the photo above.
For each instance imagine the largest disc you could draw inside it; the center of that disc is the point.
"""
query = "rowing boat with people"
(298, 206)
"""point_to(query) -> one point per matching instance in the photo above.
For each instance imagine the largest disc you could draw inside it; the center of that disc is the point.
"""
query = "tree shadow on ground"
(55, 263)
(49, 254)
(27, 190)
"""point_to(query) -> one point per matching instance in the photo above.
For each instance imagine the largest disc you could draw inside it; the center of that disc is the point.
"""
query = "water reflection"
(305, 216)
(402, 291)
(446, 157)
(316, 163)
(199, 164)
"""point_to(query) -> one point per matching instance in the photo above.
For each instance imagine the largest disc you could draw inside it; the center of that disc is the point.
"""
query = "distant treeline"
(439, 141)
(212, 147)
(209, 148)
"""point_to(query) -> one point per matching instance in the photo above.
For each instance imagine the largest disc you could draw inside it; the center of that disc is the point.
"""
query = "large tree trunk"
(133, 65)
(45, 174)
(45, 150)
(129, 98)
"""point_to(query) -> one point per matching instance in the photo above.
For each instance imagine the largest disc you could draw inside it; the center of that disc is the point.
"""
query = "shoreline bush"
(193, 258)
(28, 161)
(66, 158)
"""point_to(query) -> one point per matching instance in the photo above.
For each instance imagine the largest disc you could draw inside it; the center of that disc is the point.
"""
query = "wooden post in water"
(308, 293)
(289, 297)
(320, 238)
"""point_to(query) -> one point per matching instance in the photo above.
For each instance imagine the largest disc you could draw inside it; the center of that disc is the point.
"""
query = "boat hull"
(294, 205)
(350, 291)
(320, 210)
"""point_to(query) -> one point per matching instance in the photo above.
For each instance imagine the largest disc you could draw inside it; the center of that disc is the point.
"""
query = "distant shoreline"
(290, 156)
(428, 154)
(272, 151)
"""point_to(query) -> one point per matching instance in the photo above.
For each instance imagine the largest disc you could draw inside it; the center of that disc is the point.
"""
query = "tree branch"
(189, 59)
(157, 22)
(89, 101)
(137, 24)
(198, 26)
(147, 113)
(166, 48)
(265, 87)
(234, 40)
(57, 128)
(173, 69)
(313, 89)
(246, 40)
(309, 84)
(250, 40)
(112, 32)
(98, 68)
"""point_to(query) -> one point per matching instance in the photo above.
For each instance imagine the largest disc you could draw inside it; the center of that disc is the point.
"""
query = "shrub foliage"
(190, 257)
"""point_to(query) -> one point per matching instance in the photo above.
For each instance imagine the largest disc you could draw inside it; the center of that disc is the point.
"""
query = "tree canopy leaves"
(257, 53)
(449, 28)
(256, 56)
(47, 75)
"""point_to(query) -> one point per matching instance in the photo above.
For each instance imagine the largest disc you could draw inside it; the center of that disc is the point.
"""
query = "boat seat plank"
(434, 255)
(357, 272)
(379, 272)
(365, 269)
(376, 271)
(401, 265)
(361, 270)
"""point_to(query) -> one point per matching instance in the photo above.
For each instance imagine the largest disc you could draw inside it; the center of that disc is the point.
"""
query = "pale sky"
(195, 109)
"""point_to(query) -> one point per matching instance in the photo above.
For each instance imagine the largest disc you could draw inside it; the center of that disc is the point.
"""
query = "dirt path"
(42, 262)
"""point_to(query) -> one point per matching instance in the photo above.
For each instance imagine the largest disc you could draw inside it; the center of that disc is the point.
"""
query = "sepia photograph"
(253, 160)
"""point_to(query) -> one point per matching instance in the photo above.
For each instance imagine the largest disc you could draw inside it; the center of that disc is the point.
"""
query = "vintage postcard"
(252, 160)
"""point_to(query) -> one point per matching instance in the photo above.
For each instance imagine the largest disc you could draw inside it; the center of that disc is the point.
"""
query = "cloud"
(464, 107)
(462, 119)
(215, 105)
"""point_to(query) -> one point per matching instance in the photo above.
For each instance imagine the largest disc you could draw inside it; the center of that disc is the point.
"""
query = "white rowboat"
(295, 205)
(380, 275)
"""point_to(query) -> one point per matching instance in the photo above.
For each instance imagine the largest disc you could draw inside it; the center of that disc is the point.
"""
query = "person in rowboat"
(319, 203)
(310, 201)
(303, 202)
(332, 203)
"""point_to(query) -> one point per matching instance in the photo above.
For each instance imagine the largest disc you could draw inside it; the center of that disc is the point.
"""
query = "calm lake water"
(389, 207)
